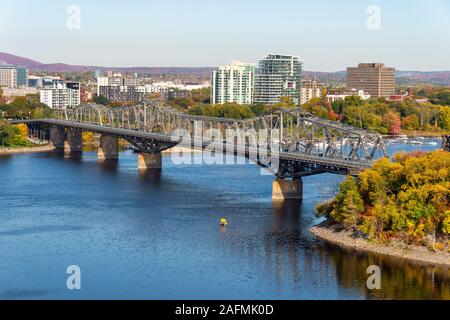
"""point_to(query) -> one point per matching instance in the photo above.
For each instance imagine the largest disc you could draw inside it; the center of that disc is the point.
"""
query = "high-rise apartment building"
(61, 96)
(278, 76)
(310, 89)
(13, 77)
(374, 78)
(233, 83)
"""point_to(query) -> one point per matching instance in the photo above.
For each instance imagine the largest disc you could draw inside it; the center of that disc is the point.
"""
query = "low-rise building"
(19, 92)
(115, 93)
(61, 95)
(43, 81)
(177, 89)
(332, 97)
(398, 97)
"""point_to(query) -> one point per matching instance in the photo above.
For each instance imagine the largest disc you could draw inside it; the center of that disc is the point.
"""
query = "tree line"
(27, 107)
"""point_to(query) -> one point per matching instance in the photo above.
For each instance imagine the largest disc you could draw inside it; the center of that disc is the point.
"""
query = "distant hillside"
(62, 67)
(334, 79)
(441, 78)
(6, 58)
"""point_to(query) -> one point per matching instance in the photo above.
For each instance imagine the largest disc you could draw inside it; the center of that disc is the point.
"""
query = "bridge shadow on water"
(152, 176)
(109, 166)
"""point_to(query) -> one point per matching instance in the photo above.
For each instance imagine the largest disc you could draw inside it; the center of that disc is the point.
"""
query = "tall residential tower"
(233, 83)
(278, 76)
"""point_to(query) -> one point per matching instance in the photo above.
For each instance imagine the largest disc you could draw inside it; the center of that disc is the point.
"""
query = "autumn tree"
(392, 122)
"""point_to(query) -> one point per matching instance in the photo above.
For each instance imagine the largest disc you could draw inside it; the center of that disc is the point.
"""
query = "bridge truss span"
(289, 141)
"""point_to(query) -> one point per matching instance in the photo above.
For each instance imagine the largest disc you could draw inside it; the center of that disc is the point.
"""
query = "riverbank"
(5, 150)
(177, 149)
(423, 133)
(336, 234)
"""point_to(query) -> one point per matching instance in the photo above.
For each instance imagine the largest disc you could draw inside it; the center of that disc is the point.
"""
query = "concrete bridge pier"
(149, 161)
(109, 148)
(57, 137)
(74, 141)
(287, 189)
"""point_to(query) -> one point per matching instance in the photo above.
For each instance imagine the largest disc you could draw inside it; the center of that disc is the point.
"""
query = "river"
(157, 235)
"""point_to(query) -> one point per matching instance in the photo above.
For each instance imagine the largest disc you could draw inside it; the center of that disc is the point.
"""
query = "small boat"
(416, 142)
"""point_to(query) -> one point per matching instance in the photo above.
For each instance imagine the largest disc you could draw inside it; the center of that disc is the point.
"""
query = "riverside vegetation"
(376, 114)
(406, 200)
(15, 136)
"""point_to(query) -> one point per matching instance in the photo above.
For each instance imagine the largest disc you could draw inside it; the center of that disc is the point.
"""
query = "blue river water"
(157, 235)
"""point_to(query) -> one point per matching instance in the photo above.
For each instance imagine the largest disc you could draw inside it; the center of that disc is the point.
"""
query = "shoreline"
(345, 238)
(7, 150)
(177, 149)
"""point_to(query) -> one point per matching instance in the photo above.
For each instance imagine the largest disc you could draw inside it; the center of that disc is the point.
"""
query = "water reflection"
(109, 166)
(284, 236)
(152, 176)
(73, 156)
(60, 154)
(5, 157)
(294, 259)
(400, 279)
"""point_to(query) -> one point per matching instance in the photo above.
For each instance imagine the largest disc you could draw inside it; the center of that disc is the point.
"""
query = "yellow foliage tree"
(23, 128)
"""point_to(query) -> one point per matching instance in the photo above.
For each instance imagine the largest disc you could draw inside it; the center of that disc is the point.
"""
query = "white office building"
(61, 95)
(332, 97)
(233, 83)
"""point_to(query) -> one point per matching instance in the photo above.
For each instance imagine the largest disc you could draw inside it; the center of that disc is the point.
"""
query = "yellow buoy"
(223, 222)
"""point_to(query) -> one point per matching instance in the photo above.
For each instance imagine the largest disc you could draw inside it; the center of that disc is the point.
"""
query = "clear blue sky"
(328, 35)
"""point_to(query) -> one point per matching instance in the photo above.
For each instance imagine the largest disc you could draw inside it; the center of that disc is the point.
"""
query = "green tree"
(100, 100)
(348, 203)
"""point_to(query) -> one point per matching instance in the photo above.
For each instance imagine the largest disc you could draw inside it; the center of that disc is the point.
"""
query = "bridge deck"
(335, 164)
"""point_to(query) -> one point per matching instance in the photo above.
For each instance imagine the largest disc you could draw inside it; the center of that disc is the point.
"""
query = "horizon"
(195, 67)
(131, 34)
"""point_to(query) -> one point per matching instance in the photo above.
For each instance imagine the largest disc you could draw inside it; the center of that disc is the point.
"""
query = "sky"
(328, 35)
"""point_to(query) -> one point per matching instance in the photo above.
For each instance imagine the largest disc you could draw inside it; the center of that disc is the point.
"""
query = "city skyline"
(327, 36)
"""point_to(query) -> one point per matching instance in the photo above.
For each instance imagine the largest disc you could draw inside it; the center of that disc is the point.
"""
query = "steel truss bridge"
(289, 142)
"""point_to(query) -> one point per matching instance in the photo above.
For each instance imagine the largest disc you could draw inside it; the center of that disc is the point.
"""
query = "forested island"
(403, 204)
